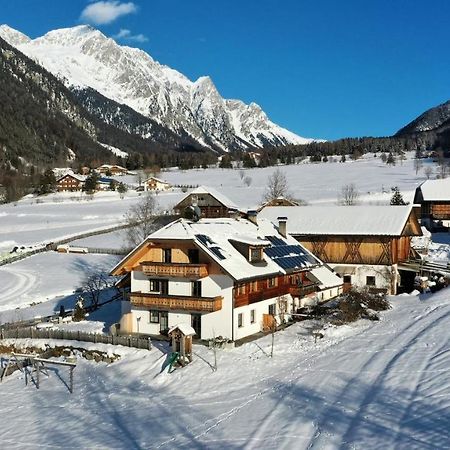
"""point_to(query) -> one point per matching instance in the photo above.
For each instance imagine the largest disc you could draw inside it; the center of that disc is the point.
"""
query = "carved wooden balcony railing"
(303, 290)
(181, 270)
(176, 302)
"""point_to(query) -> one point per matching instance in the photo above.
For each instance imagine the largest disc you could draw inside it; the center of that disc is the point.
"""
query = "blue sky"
(321, 68)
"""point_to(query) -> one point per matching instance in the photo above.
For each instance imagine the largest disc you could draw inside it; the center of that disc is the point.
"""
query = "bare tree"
(442, 171)
(277, 186)
(139, 177)
(428, 172)
(418, 164)
(349, 195)
(141, 218)
(248, 181)
(93, 286)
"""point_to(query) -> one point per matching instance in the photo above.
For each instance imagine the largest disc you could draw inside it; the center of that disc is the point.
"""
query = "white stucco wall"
(139, 282)
(384, 275)
(260, 308)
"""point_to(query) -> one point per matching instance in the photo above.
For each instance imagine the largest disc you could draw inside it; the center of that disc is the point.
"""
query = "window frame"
(372, 278)
(253, 316)
(240, 320)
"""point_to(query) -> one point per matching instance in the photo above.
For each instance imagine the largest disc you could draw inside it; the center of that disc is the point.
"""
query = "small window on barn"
(370, 281)
(240, 320)
(347, 279)
(272, 282)
(253, 286)
(252, 316)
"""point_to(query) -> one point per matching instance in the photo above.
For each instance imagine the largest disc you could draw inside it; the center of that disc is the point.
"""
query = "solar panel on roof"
(210, 245)
(276, 241)
(217, 251)
(290, 256)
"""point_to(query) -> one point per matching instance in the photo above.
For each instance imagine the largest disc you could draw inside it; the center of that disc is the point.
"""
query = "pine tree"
(397, 197)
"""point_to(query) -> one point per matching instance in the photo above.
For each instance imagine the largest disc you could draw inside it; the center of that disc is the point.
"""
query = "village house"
(111, 170)
(366, 245)
(279, 201)
(70, 182)
(433, 196)
(156, 184)
(210, 203)
(224, 277)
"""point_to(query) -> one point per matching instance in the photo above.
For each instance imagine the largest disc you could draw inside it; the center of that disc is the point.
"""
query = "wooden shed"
(181, 338)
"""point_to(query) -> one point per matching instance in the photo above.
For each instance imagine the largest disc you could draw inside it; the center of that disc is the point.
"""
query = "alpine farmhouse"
(434, 199)
(364, 244)
(224, 277)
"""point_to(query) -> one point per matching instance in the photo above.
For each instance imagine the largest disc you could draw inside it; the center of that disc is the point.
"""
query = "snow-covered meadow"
(365, 385)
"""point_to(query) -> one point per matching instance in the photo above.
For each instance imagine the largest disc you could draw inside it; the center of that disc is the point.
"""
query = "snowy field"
(36, 221)
(371, 385)
(43, 277)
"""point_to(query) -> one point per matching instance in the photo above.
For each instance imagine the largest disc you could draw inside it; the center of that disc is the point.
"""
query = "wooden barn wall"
(349, 250)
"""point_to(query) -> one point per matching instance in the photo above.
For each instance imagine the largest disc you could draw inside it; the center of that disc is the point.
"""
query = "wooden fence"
(33, 333)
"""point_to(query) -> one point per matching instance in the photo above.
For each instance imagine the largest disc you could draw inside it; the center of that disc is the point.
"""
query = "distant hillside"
(40, 123)
(433, 127)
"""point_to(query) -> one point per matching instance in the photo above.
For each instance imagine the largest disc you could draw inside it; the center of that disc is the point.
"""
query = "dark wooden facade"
(209, 206)
(432, 212)
(265, 288)
(69, 183)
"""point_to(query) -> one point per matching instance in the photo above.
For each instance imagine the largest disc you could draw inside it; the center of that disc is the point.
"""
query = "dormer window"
(256, 254)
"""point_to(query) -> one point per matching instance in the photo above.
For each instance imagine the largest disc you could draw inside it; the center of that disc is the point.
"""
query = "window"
(154, 285)
(159, 286)
(167, 255)
(241, 289)
(193, 256)
(154, 316)
(196, 288)
(273, 309)
(347, 279)
(272, 282)
(252, 316)
(370, 281)
(255, 254)
(253, 286)
(240, 320)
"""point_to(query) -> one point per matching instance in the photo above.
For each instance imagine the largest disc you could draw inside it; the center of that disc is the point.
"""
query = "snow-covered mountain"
(85, 58)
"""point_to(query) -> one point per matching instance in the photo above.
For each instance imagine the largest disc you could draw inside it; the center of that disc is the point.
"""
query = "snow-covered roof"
(157, 179)
(357, 220)
(77, 176)
(437, 190)
(216, 237)
(217, 195)
(186, 329)
(326, 277)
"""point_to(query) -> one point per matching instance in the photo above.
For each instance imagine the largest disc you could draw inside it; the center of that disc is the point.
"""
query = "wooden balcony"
(176, 302)
(303, 290)
(175, 270)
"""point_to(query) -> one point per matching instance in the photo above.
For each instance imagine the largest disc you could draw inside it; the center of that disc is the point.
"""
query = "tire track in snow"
(404, 352)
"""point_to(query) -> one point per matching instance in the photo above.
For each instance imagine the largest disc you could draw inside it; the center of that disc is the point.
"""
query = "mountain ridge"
(83, 57)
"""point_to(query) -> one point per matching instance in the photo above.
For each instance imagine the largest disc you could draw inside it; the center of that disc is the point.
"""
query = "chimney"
(282, 221)
(252, 216)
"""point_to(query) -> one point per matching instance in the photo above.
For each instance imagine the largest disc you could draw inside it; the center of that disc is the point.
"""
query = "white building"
(156, 184)
(224, 277)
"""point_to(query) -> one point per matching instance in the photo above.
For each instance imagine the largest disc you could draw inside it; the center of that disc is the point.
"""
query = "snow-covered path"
(370, 385)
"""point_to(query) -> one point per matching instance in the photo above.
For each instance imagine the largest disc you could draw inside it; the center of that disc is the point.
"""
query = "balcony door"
(196, 323)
